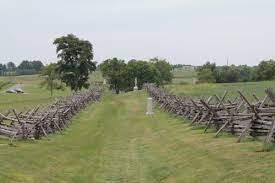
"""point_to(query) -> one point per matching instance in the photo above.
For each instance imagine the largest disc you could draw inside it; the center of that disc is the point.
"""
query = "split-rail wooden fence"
(240, 116)
(38, 122)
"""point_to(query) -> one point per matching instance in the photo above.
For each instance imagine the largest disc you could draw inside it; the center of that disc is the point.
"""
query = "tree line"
(26, 67)
(75, 65)
(121, 75)
(211, 73)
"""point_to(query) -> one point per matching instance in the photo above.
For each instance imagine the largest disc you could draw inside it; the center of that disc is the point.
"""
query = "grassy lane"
(113, 141)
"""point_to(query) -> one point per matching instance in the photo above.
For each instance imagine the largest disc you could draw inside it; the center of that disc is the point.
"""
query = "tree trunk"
(51, 88)
(117, 91)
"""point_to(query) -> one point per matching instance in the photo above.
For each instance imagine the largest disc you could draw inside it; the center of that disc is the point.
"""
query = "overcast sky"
(182, 31)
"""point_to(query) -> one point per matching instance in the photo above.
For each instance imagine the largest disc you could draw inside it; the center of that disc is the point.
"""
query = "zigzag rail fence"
(38, 122)
(239, 117)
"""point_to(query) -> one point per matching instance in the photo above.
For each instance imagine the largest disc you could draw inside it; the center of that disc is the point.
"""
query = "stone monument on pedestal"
(135, 88)
(194, 81)
(149, 106)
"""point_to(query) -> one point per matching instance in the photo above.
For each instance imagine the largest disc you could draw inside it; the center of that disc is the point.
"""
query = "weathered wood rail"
(37, 122)
(240, 116)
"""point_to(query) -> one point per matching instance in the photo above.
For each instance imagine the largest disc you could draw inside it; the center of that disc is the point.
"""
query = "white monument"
(135, 88)
(194, 81)
(104, 82)
(149, 106)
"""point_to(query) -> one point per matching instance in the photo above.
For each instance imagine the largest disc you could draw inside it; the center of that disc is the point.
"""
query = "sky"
(181, 31)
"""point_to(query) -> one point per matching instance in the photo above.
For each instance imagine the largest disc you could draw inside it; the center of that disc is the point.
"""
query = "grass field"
(114, 141)
(183, 76)
(33, 96)
(127, 146)
(182, 85)
(207, 89)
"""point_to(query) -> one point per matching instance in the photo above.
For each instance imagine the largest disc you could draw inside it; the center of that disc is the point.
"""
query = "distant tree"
(3, 69)
(115, 71)
(11, 66)
(266, 70)
(29, 67)
(37, 65)
(51, 79)
(247, 73)
(232, 74)
(25, 68)
(25, 65)
(164, 68)
(227, 74)
(121, 76)
(207, 72)
(207, 65)
(145, 72)
(75, 63)
(206, 76)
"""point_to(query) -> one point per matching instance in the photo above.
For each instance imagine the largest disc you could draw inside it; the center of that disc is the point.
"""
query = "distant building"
(184, 67)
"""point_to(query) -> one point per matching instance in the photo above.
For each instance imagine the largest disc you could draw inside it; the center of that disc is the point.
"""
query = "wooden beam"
(223, 126)
(251, 106)
(244, 132)
(271, 131)
(223, 97)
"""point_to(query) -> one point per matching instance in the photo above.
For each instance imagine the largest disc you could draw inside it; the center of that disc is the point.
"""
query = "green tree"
(164, 68)
(121, 76)
(51, 79)
(11, 66)
(247, 73)
(25, 65)
(207, 73)
(3, 69)
(26, 68)
(206, 76)
(266, 70)
(227, 74)
(75, 63)
(37, 65)
(115, 71)
(145, 72)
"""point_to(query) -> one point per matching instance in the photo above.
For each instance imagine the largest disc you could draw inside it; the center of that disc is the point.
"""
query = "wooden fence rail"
(39, 122)
(240, 116)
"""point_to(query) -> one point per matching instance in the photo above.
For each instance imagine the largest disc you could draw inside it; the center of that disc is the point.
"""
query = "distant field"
(199, 90)
(183, 79)
(33, 96)
(183, 76)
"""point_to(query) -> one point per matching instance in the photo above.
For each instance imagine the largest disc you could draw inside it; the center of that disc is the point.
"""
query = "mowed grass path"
(114, 141)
